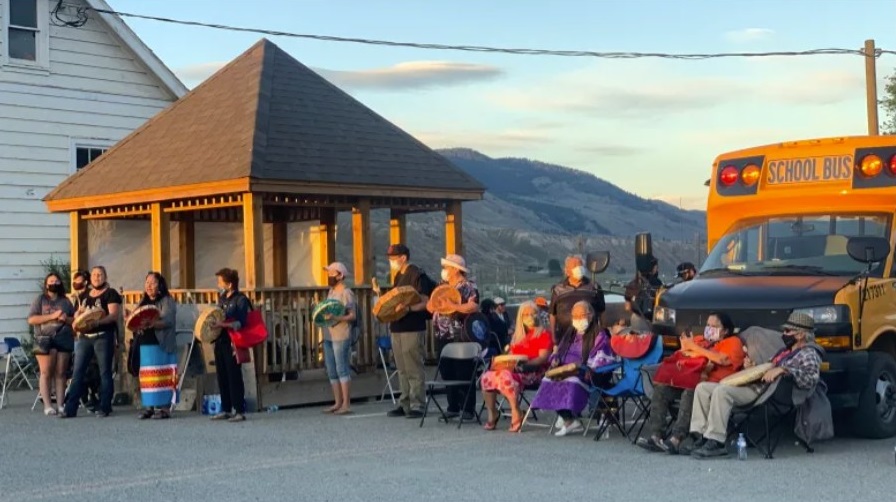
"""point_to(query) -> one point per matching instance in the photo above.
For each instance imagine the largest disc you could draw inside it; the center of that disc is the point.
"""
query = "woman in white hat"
(338, 340)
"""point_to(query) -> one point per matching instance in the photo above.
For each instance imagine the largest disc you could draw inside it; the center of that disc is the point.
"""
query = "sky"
(650, 126)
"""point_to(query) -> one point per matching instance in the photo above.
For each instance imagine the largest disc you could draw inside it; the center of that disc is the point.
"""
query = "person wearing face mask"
(576, 286)
(407, 333)
(588, 346)
(236, 306)
(80, 287)
(449, 328)
(724, 352)
(640, 293)
(530, 339)
(98, 338)
(799, 360)
(51, 315)
(337, 340)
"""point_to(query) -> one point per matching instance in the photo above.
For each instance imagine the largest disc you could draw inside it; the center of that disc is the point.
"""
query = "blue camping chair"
(628, 389)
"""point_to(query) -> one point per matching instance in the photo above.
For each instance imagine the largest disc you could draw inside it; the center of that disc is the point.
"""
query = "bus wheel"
(876, 416)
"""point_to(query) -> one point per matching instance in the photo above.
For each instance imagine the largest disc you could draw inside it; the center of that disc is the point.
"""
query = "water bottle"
(272, 408)
(741, 447)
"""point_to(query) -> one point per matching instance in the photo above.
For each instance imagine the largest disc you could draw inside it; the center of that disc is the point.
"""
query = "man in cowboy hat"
(408, 332)
(799, 360)
(449, 328)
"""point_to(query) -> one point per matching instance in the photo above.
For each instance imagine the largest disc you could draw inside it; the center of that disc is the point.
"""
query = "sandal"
(160, 415)
(515, 426)
(49, 411)
(490, 425)
(220, 416)
(238, 417)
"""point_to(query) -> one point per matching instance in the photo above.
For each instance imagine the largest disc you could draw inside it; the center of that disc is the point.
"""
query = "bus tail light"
(871, 166)
(750, 175)
(892, 165)
(728, 176)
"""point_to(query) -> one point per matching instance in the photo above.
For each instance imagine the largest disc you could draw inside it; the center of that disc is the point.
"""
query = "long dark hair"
(588, 338)
(726, 322)
(163, 289)
(56, 275)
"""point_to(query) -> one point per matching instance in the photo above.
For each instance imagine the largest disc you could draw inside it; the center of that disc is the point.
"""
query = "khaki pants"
(713, 403)
(407, 348)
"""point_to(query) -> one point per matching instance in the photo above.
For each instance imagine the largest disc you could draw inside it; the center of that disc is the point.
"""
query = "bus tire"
(875, 417)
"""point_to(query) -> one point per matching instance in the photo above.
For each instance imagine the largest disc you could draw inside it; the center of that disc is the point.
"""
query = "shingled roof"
(266, 117)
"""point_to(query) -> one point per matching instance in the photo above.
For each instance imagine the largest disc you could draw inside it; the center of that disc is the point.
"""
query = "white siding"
(95, 91)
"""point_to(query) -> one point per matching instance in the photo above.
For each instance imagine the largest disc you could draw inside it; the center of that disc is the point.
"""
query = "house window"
(23, 30)
(86, 154)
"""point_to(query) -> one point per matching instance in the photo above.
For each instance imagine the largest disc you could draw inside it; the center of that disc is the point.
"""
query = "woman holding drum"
(236, 308)
(583, 345)
(51, 315)
(97, 326)
(531, 344)
(153, 323)
(337, 339)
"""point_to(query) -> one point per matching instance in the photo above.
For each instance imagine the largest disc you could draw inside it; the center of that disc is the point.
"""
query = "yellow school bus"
(807, 225)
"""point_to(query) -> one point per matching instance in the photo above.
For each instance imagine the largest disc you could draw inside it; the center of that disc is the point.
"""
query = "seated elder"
(585, 345)
(720, 352)
(531, 339)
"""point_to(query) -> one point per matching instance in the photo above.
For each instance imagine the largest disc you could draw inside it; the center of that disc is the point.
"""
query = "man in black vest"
(576, 287)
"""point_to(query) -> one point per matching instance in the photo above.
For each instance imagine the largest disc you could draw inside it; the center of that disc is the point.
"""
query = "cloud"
(747, 35)
(401, 76)
(509, 140)
(684, 201)
(612, 150)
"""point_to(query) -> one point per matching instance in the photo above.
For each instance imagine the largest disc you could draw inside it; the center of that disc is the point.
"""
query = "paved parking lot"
(303, 454)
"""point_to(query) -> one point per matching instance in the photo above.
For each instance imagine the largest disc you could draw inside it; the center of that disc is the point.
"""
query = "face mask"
(332, 281)
(711, 333)
(223, 291)
(580, 325)
(394, 265)
(444, 275)
(78, 286)
(578, 273)
(529, 322)
(789, 340)
(55, 288)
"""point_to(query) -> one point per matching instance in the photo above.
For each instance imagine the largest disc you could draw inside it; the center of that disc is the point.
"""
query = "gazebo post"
(280, 252)
(160, 228)
(186, 240)
(363, 245)
(454, 240)
(326, 244)
(253, 240)
(398, 230)
(79, 239)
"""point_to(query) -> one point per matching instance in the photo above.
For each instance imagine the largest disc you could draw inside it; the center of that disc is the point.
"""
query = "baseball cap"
(398, 250)
(499, 300)
(541, 301)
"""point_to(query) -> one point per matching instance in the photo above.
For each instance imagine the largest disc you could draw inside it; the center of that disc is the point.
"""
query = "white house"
(72, 83)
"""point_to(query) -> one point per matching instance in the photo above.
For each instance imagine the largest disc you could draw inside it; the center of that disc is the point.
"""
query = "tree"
(554, 268)
(888, 105)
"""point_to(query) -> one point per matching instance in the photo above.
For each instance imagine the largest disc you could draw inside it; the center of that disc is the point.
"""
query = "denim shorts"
(338, 358)
(61, 342)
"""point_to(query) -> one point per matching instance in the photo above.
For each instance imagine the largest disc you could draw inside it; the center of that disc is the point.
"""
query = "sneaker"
(49, 411)
(574, 427)
(397, 412)
(469, 416)
(711, 449)
(558, 424)
(652, 444)
(451, 414)
(220, 416)
(691, 444)
(103, 414)
(414, 414)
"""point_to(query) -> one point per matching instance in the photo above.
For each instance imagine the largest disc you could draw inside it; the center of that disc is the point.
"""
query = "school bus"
(785, 226)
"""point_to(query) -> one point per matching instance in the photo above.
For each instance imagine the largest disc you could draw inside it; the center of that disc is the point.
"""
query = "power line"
(504, 50)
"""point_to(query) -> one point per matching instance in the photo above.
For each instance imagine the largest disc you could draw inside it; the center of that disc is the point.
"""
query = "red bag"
(242, 356)
(252, 334)
(681, 371)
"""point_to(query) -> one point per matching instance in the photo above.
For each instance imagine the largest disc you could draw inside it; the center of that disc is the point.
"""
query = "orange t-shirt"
(734, 349)
(532, 345)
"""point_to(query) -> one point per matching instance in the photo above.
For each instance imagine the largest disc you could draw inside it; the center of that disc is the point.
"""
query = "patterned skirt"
(507, 382)
(158, 376)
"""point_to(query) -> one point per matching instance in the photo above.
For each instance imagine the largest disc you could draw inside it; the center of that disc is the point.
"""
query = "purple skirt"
(567, 394)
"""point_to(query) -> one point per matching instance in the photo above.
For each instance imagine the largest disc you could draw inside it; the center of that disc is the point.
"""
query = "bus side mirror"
(868, 249)
(597, 262)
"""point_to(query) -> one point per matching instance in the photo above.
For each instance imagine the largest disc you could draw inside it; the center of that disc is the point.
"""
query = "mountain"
(533, 212)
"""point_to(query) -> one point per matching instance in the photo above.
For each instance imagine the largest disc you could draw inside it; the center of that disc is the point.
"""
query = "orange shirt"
(532, 345)
(734, 349)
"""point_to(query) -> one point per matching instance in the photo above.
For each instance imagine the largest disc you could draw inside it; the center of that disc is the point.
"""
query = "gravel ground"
(302, 454)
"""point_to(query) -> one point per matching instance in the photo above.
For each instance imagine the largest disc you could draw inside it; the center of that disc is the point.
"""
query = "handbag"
(242, 355)
(681, 371)
(251, 334)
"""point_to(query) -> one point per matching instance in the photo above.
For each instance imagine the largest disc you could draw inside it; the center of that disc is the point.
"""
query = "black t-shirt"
(415, 277)
(108, 297)
(564, 295)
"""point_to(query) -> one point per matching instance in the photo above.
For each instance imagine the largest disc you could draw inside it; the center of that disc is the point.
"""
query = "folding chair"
(647, 372)
(628, 389)
(18, 362)
(457, 351)
(384, 346)
(776, 410)
(184, 337)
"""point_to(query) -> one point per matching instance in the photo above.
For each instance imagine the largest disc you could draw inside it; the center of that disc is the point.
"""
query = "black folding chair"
(456, 351)
(776, 411)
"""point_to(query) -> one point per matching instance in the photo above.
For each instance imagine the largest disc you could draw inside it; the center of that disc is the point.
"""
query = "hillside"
(534, 212)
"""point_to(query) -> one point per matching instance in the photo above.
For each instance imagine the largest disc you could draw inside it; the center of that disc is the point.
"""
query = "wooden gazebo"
(267, 141)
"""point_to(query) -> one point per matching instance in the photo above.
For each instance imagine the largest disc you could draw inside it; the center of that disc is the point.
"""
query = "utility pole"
(871, 87)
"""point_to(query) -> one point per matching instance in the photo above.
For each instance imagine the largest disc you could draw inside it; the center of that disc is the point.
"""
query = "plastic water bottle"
(741, 447)
(272, 408)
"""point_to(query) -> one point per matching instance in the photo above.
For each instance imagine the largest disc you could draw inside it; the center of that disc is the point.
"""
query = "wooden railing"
(294, 343)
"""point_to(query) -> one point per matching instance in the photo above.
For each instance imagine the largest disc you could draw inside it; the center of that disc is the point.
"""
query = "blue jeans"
(104, 348)
(338, 358)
